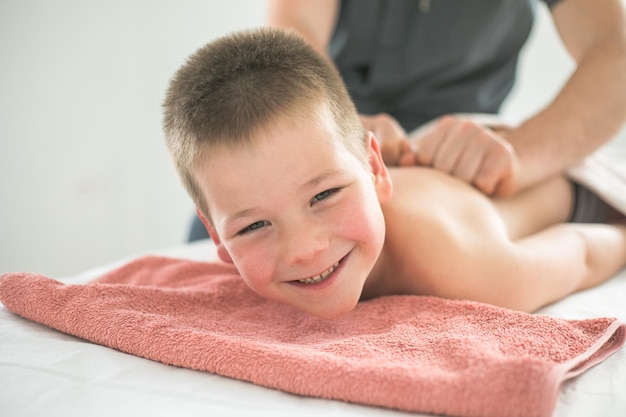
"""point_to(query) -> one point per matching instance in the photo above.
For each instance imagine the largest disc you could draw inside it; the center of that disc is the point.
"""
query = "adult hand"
(474, 153)
(392, 138)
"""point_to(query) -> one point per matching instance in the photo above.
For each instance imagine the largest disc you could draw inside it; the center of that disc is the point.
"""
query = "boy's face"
(298, 214)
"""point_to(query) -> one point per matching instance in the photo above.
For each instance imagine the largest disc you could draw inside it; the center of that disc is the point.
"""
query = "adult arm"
(591, 107)
(588, 111)
(313, 19)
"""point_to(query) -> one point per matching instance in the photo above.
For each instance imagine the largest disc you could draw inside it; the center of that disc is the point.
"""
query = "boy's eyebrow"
(240, 214)
(320, 178)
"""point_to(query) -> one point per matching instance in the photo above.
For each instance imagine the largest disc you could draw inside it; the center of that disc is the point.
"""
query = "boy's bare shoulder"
(427, 194)
(437, 226)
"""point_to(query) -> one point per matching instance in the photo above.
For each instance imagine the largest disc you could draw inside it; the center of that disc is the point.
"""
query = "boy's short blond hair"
(240, 83)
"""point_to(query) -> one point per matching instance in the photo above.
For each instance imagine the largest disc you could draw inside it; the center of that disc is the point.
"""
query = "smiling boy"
(296, 195)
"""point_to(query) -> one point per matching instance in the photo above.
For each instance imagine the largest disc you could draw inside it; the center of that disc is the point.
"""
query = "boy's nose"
(304, 243)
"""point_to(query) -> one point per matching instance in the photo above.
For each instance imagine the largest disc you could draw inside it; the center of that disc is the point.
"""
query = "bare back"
(433, 219)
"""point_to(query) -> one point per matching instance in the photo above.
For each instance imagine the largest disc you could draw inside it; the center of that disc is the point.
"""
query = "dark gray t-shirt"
(419, 59)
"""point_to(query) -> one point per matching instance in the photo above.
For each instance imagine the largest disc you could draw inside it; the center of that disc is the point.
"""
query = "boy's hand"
(392, 138)
(474, 153)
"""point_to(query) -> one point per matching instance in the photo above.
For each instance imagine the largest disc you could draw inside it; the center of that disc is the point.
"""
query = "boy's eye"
(324, 195)
(253, 226)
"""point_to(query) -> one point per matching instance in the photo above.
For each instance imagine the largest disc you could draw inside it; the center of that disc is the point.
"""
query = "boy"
(296, 195)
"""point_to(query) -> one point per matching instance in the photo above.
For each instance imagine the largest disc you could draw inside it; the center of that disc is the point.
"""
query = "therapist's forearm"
(313, 19)
(589, 111)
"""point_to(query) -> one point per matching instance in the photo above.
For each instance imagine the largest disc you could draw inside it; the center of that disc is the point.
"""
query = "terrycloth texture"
(412, 353)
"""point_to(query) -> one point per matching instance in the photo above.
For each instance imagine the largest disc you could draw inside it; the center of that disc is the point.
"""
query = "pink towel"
(411, 353)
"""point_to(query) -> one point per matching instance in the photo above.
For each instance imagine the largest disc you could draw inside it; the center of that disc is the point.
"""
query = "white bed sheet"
(47, 373)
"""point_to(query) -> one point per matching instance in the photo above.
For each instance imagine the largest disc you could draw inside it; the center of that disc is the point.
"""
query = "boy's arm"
(539, 269)
(570, 257)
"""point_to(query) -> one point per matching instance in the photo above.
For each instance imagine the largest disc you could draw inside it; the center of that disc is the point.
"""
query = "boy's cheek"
(256, 283)
(252, 270)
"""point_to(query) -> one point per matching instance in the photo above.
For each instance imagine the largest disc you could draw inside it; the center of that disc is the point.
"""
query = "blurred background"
(85, 178)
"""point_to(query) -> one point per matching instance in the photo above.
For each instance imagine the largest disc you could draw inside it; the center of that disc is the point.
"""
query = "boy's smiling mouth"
(321, 277)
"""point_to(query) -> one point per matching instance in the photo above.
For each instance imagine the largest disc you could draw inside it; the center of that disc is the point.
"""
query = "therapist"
(408, 62)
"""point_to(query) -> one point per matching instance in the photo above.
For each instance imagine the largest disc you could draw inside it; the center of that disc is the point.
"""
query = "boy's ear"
(221, 250)
(380, 174)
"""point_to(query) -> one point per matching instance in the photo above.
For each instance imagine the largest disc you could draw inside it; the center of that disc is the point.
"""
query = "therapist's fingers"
(407, 156)
(509, 183)
(428, 142)
(469, 151)
(486, 159)
(496, 167)
(469, 163)
(460, 138)
(454, 146)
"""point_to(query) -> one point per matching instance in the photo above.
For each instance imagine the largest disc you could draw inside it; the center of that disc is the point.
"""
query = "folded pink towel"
(412, 353)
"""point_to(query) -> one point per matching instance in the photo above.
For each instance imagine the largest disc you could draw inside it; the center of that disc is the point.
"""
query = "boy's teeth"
(321, 277)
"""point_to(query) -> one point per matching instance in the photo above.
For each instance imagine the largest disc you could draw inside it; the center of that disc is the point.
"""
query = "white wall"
(84, 175)
(543, 68)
